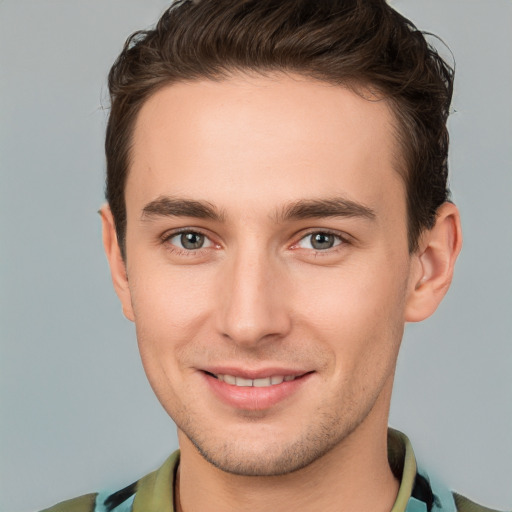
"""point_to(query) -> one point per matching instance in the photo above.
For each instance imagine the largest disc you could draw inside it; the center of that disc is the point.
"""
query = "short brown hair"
(347, 42)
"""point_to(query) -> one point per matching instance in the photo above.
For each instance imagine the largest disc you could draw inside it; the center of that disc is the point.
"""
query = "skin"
(258, 295)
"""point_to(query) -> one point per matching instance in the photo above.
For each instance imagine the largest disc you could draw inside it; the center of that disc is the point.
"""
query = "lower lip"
(254, 398)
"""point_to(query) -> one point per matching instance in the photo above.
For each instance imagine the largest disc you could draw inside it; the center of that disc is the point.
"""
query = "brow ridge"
(330, 207)
(165, 206)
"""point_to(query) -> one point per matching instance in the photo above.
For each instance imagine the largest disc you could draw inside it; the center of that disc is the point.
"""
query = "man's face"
(268, 265)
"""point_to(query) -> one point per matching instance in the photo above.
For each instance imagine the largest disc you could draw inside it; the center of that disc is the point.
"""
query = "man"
(277, 210)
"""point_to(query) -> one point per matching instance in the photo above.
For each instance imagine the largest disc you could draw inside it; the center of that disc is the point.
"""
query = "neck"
(354, 476)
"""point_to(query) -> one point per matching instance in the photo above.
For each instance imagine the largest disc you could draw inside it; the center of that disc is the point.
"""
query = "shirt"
(418, 492)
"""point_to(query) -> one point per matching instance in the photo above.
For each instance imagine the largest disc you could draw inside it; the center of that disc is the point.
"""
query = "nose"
(253, 303)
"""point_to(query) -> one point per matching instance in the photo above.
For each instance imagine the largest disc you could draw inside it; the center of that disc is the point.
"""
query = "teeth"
(261, 383)
(257, 383)
(240, 381)
(228, 379)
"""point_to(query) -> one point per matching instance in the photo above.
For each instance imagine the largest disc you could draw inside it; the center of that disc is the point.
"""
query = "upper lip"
(260, 373)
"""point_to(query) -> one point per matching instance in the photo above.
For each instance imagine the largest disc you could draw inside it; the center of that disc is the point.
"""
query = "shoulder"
(84, 503)
(151, 492)
(466, 505)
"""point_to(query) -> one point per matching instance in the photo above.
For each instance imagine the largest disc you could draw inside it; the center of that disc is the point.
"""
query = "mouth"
(256, 390)
(243, 382)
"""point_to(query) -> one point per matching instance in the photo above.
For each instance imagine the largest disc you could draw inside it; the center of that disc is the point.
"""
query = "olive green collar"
(155, 492)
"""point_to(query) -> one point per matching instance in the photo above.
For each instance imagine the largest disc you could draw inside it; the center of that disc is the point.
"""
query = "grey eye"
(189, 241)
(321, 241)
(192, 240)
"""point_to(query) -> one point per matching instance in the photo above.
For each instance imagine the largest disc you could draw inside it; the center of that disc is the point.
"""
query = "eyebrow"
(165, 206)
(318, 208)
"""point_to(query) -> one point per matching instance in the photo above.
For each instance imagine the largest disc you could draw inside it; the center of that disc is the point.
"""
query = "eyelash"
(166, 237)
(342, 240)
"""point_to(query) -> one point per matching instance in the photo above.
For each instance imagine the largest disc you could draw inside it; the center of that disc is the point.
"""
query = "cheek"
(350, 296)
(357, 313)
(168, 298)
(171, 308)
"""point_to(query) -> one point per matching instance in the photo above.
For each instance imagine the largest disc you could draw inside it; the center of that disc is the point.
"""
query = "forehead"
(277, 136)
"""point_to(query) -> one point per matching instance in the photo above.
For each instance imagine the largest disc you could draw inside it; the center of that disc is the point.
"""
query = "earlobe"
(433, 264)
(116, 262)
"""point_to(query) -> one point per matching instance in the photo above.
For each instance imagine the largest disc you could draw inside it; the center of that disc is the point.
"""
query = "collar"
(417, 491)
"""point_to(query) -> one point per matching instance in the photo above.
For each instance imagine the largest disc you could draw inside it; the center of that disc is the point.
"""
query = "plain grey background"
(77, 414)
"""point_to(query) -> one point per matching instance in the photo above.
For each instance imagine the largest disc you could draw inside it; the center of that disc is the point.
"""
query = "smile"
(257, 383)
(255, 390)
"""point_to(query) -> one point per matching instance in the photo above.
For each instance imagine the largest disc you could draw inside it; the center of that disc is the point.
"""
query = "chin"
(270, 461)
(239, 455)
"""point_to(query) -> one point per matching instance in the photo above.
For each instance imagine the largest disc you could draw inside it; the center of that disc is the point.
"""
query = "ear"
(433, 264)
(116, 262)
